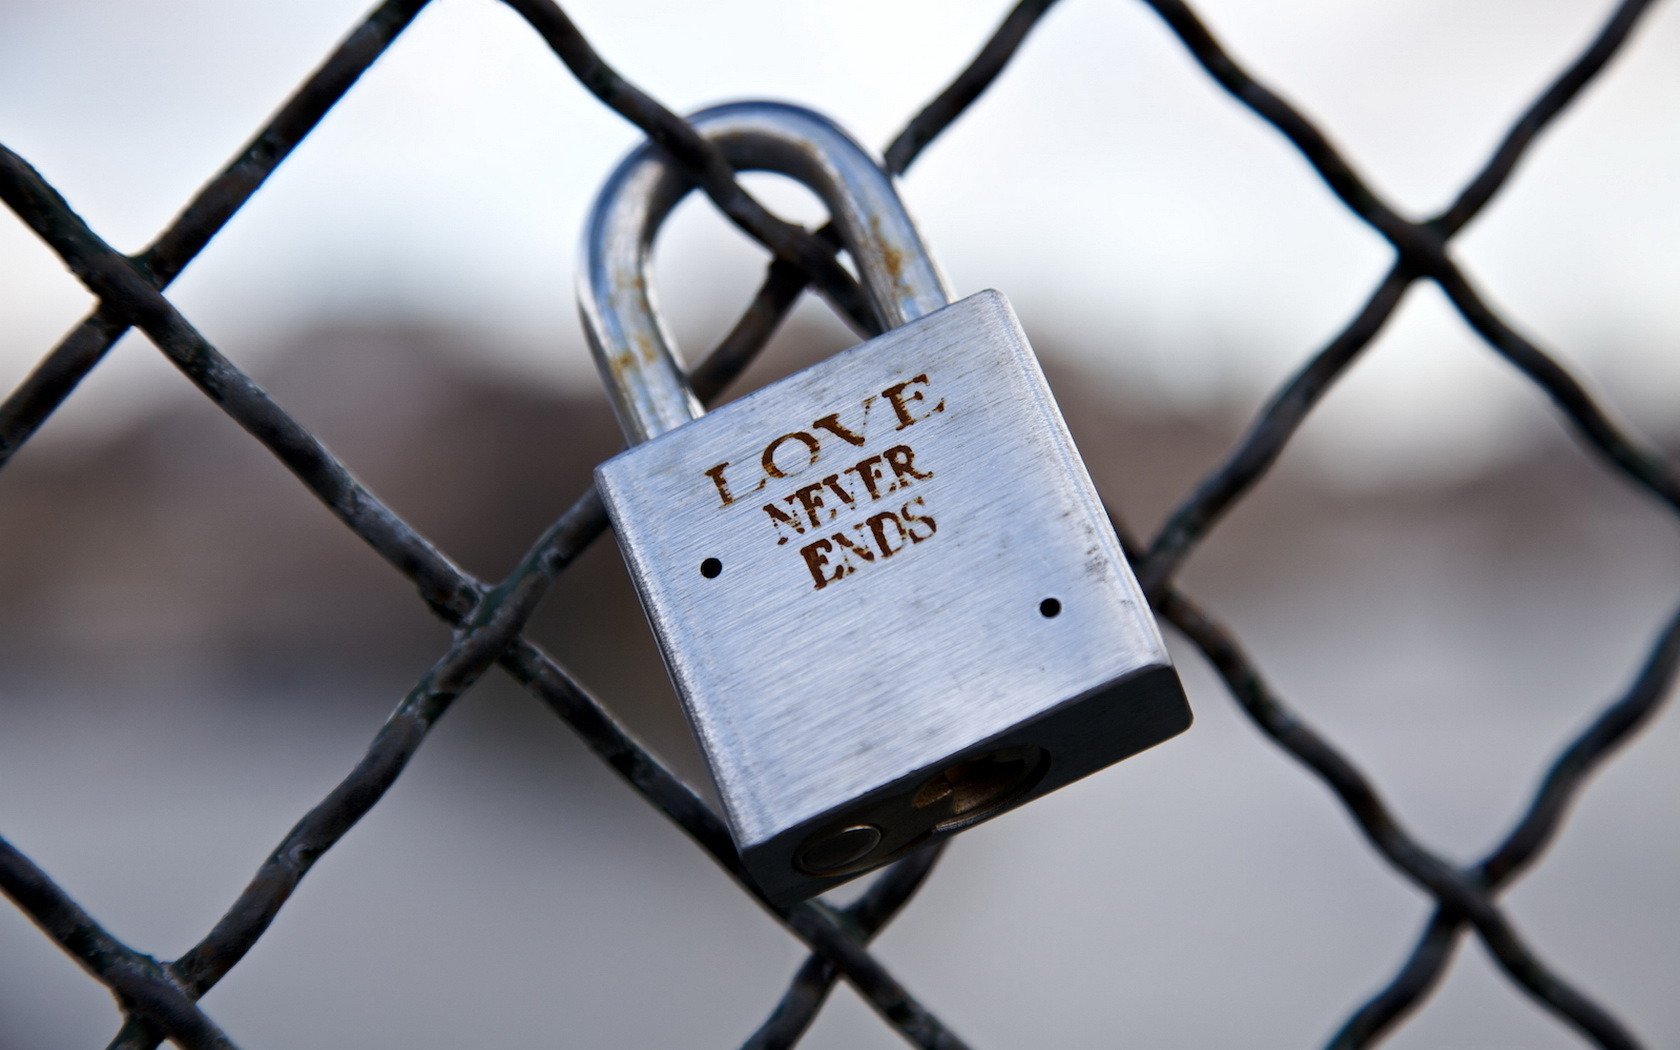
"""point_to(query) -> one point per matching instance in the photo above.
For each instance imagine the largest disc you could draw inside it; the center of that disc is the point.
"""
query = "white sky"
(1137, 217)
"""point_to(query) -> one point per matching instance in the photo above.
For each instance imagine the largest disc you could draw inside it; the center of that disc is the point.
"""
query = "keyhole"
(1049, 608)
(711, 568)
(973, 789)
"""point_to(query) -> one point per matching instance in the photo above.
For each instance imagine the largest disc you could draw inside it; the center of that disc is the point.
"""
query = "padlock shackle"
(634, 352)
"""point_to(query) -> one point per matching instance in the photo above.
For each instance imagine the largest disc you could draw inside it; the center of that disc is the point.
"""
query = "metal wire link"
(158, 1000)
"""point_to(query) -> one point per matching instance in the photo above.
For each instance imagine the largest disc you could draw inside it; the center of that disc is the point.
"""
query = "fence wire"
(160, 1000)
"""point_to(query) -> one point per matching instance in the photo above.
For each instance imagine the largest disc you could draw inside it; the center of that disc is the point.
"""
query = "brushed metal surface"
(823, 701)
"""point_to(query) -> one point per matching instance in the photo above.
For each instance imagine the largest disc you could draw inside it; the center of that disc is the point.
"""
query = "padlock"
(884, 587)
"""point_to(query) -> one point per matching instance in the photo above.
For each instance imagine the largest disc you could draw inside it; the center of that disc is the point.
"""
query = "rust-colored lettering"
(832, 424)
(902, 400)
(810, 501)
(912, 519)
(716, 474)
(902, 460)
(878, 524)
(834, 486)
(780, 517)
(772, 468)
(868, 471)
(816, 560)
(851, 548)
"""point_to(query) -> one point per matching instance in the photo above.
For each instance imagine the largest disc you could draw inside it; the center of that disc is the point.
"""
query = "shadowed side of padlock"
(884, 586)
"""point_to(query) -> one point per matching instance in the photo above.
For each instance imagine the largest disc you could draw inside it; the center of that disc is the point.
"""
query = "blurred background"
(192, 651)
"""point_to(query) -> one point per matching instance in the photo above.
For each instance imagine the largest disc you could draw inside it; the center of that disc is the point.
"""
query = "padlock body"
(889, 598)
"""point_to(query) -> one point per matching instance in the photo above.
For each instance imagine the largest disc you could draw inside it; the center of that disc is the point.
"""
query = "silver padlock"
(884, 587)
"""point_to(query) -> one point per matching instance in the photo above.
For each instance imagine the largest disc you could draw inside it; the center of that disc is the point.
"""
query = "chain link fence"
(160, 1000)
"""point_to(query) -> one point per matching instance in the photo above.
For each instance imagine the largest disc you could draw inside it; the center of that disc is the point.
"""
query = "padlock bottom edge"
(1077, 738)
